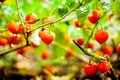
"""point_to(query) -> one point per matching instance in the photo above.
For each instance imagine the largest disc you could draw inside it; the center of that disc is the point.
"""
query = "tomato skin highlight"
(101, 36)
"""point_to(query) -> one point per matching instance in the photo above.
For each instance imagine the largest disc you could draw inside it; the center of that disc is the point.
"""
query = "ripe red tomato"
(90, 45)
(101, 36)
(95, 17)
(45, 55)
(118, 48)
(13, 39)
(30, 18)
(76, 23)
(13, 27)
(45, 36)
(80, 41)
(90, 70)
(3, 41)
(108, 49)
(96, 14)
(103, 66)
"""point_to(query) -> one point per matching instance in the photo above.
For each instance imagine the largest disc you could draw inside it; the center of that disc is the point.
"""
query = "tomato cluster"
(91, 70)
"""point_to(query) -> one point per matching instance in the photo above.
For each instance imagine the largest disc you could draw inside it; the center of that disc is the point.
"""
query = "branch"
(113, 72)
(18, 10)
(94, 29)
(13, 49)
(97, 57)
(87, 53)
(57, 20)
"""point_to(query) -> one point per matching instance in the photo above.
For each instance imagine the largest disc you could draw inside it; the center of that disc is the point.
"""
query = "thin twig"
(87, 53)
(112, 71)
(13, 49)
(57, 20)
(20, 18)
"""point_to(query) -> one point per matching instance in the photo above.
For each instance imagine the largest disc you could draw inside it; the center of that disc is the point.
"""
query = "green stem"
(58, 45)
(20, 18)
(13, 49)
(87, 53)
(91, 34)
(57, 20)
(97, 57)
(112, 70)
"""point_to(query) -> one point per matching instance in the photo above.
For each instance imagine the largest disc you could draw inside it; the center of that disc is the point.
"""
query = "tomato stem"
(87, 53)
(57, 20)
(12, 49)
(21, 20)
(94, 29)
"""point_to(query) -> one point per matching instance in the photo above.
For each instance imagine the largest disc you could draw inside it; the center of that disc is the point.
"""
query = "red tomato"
(30, 18)
(3, 41)
(80, 41)
(45, 55)
(101, 36)
(90, 70)
(103, 66)
(13, 39)
(108, 49)
(76, 23)
(118, 48)
(95, 17)
(13, 27)
(90, 45)
(45, 36)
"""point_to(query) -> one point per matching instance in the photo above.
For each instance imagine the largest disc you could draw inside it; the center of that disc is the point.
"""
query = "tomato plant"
(56, 39)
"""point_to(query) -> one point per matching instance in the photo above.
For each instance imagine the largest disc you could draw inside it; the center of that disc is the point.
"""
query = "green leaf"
(82, 14)
(115, 6)
(94, 4)
(71, 3)
(62, 10)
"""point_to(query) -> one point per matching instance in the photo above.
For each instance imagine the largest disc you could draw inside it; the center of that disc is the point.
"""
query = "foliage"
(66, 57)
